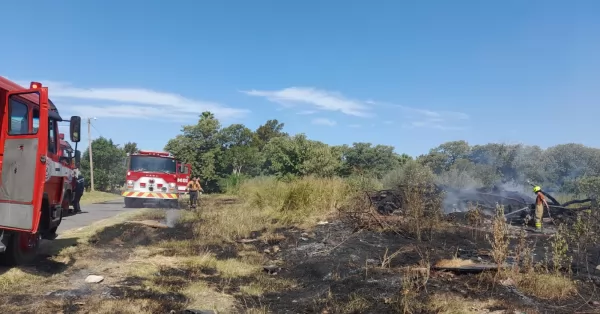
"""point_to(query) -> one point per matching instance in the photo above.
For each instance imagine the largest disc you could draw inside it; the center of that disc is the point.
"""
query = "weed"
(500, 240)
(523, 260)
(583, 236)
(474, 218)
(560, 249)
(414, 280)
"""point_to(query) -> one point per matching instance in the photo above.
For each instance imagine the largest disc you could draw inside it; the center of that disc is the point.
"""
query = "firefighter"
(193, 187)
(540, 201)
(79, 189)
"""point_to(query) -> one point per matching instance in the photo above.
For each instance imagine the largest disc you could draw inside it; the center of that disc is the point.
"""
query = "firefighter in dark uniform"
(79, 189)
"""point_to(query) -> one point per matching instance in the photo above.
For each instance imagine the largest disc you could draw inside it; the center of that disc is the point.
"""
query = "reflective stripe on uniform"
(150, 195)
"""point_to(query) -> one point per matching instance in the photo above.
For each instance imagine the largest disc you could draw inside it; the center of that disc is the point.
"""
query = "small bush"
(359, 183)
(412, 173)
(231, 184)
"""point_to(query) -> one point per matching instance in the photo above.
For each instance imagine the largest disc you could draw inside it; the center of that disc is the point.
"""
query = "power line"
(93, 126)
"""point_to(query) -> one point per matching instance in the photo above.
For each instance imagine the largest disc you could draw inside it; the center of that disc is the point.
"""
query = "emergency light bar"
(151, 153)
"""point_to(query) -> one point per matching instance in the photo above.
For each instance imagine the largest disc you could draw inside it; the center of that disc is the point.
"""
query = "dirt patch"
(129, 235)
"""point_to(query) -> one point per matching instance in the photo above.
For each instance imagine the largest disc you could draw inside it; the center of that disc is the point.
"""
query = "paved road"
(92, 213)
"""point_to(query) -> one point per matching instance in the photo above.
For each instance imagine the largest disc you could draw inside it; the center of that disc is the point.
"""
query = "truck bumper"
(155, 195)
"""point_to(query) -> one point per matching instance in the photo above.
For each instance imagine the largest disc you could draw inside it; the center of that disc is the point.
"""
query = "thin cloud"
(322, 100)
(424, 118)
(134, 103)
(319, 99)
(306, 112)
(323, 121)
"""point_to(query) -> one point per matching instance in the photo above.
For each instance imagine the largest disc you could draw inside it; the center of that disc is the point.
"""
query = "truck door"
(24, 143)
(182, 178)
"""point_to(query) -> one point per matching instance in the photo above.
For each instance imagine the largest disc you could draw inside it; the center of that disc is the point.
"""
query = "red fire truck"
(67, 159)
(32, 177)
(155, 177)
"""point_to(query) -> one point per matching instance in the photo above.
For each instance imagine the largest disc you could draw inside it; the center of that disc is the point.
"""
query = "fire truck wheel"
(66, 204)
(21, 248)
(173, 204)
(129, 202)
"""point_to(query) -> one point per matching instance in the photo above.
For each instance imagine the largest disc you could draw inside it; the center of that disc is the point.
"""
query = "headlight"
(172, 185)
(130, 182)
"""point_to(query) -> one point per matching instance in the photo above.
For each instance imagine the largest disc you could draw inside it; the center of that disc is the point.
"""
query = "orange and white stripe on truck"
(150, 195)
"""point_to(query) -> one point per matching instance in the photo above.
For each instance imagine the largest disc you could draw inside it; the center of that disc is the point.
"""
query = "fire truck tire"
(173, 203)
(18, 249)
(66, 204)
(129, 202)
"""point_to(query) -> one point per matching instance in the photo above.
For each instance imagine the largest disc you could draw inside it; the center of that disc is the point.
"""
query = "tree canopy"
(221, 154)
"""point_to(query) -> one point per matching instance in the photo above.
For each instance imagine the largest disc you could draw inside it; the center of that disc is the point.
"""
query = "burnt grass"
(335, 265)
(331, 265)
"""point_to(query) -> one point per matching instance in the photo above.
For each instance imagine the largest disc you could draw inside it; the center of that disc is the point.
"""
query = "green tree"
(365, 159)
(240, 155)
(109, 165)
(271, 129)
(130, 148)
(299, 156)
(200, 146)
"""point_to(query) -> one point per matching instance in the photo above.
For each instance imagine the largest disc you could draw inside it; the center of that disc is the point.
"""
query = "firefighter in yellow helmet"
(540, 201)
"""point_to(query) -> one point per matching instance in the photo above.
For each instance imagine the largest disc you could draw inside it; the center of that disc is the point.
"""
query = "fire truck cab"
(31, 177)
(154, 177)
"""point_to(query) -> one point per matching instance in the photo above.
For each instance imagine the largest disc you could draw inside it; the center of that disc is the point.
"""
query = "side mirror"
(77, 158)
(75, 129)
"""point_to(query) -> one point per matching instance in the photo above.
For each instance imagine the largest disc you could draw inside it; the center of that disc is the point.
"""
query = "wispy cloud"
(135, 103)
(322, 100)
(323, 121)
(306, 112)
(424, 118)
(319, 99)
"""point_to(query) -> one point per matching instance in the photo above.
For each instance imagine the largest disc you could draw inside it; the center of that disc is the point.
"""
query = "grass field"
(98, 197)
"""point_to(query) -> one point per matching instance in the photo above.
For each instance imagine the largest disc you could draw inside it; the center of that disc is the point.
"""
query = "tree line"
(109, 164)
(222, 156)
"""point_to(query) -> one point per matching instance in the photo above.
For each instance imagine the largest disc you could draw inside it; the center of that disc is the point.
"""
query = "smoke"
(513, 186)
(172, 217)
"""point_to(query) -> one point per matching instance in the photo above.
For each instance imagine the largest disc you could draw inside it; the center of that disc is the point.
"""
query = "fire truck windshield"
(153, 164)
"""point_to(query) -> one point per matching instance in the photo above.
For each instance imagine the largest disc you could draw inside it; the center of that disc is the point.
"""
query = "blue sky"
(412, 74)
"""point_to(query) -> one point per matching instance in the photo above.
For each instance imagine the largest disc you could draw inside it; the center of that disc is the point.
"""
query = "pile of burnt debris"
(452, 200)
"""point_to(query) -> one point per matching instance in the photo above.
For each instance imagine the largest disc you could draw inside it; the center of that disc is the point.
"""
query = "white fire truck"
(32, 184)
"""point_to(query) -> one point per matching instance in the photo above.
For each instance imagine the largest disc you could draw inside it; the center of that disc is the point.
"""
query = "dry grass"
(453, 263)
(447, 303)
(547, 286)
(355, 303)
(89, 197)
(202, 296)
(270, 204)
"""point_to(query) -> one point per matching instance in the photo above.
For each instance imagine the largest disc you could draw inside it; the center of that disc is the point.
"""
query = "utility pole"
(89, 121)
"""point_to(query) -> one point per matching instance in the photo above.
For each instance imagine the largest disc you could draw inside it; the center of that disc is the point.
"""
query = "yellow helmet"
(536, 189)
